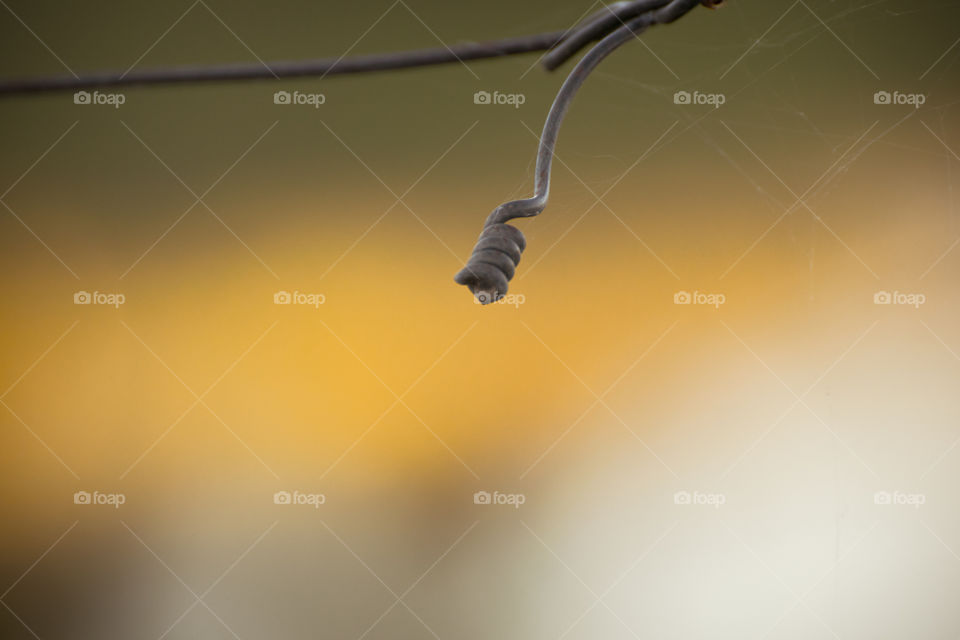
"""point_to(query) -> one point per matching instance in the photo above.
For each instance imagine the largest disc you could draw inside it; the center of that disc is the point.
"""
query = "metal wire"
(612, 17)
(287, 69)
(498, 250)
(594, 28)
(497, 253)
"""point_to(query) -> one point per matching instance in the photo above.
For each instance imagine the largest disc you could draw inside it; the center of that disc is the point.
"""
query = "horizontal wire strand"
(286, 69)
(572, 40)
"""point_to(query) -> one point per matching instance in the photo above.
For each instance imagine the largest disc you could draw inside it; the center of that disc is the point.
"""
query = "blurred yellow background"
(595, 396)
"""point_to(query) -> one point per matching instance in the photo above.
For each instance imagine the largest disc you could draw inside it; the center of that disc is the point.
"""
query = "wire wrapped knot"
(496, 255)
(493, 262)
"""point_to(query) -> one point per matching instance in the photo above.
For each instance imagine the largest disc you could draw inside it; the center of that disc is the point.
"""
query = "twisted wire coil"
(497, 253)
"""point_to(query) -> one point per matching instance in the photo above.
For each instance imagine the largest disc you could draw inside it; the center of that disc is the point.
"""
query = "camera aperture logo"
(115, 100)
(497, 498)
(99, 298)
(899, 498)
(314, 100)
(115, 500)
(299, 298)
(715, 100)
(515, 100)
(699, 498)
(914, 300)
(714, 300)
(299, 498)
(915, 100)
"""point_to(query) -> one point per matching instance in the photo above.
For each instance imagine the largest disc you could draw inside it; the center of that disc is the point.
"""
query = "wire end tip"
(493, 262)
(484, 292)
(487, 297)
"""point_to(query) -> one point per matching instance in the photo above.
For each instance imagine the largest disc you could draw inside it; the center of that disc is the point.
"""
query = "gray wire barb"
(497, 253)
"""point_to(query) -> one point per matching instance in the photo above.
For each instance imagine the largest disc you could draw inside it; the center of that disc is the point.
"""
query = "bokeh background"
(790, 409)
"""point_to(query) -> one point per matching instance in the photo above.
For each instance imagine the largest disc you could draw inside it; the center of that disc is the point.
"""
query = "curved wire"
(497, 253)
